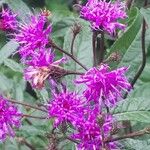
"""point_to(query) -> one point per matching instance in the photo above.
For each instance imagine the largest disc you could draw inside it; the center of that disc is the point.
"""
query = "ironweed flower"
(8, 20)
(105, 86)
(66, 107)
(90, 133)
(10, 118)
(104, 15)
(42, 66)
(33, 36)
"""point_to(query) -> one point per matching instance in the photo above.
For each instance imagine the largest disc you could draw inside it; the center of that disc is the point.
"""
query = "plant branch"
(22, 140)
(94, 36)
(35, 117)
(73, 72)
(129, 3)
(68, 54)
(72, 43)
(102, 47)
(130, 135)
(27, 105)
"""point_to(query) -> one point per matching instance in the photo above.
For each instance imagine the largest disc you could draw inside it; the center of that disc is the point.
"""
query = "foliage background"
(135, 108)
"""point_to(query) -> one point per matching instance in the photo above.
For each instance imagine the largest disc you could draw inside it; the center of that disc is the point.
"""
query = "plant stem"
(35, 117)
(72, 43)
(94, 36)
(68, 54)
(27, 105)
(129, 3)
(102, 48)
(130, 135)
(73, 72)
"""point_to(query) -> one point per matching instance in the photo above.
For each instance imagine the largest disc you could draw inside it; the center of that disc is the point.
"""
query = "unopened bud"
(147, 130)
(100, 120)
(77, 7)
(115, 56)
(76, 28)
(46, 12)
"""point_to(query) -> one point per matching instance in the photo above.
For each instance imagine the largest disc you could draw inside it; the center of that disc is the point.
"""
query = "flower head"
(33, 36)
(9, 118)
(89, 133)
(8, 20)
(104, 85)
(42, 66)
(104, 15)
(66, 107)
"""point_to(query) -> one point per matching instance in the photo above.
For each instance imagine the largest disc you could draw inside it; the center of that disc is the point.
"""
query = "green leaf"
(6, 84)
(134, 109)
(142, 91)
(132, 144)
(20, 8)
(146, 13)
(124, 42)
(7, 50)
(13, 65)
(61, 26)
(82, 50)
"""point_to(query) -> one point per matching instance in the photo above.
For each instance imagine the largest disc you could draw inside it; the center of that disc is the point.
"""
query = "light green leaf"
(20, 8)
(134, 109)
(7, 50)
(13, 65)
(82, 50)
(146, 13)
(135, 144)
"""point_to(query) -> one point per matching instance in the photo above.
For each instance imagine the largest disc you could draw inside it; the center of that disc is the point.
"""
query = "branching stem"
(27, 105)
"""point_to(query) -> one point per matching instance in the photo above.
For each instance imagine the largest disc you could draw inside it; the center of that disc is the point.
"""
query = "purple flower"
(104, 85)
(8, 20)
(104, 15)
(66, 107)
(33, 35)
(89, 133)
(9, 119)
(41, 67)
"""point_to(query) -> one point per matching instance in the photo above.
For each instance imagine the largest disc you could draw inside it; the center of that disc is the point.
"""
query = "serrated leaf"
(134, 109)
(135, 144)
(7, 50)
(13, 65)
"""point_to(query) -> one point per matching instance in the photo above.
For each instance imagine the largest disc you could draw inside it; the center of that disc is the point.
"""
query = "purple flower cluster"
(84, 112)
(9, 119)
(33, 36)
(41, 67)
(104, 15)
(105, 86)
(8, 20)
(66, 107)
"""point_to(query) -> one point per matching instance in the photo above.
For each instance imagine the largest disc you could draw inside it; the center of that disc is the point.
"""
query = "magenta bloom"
(104, 15)
(33, 36)
(104, 85)
(10, 118)
(41, 67)
(8, 20)
(66, 107)
(89, 134)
